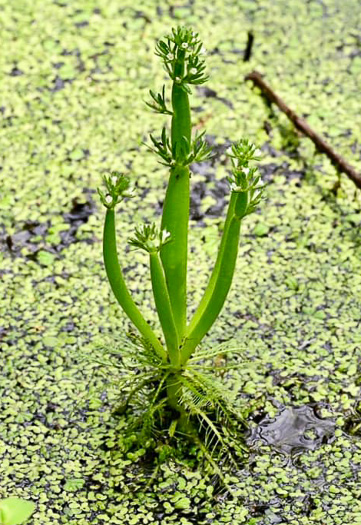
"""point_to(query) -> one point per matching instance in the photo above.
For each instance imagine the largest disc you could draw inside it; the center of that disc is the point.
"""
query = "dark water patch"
(3, 332)
(76, 217)
(220, 188)
(206, 92)
(220, 193)
(200, 190)
(58, 84)
(16, 72)
(217, 149)
(81, 24)
(269, 171)
(205, 169)
(293, 431)
(25, 238)
(270, 151)
(34, 237)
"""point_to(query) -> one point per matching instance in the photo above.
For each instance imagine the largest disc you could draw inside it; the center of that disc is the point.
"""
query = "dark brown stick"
(339, 162)
(248, 50)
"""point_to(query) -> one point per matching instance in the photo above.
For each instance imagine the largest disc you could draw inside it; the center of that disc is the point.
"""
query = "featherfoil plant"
(174, 373)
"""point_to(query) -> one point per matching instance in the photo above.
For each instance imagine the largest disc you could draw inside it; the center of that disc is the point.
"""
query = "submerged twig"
(339, 162)
(249, 46)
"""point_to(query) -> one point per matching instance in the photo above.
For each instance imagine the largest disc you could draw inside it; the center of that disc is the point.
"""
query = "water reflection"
(293, 430)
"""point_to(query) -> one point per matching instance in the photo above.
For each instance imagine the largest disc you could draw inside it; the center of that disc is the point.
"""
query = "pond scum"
(73, 83)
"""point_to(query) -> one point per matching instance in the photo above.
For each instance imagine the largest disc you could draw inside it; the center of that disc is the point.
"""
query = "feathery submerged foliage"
(215, 419)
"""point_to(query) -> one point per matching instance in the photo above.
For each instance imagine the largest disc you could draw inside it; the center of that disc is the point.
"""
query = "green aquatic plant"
(174, 362)
(14, 511)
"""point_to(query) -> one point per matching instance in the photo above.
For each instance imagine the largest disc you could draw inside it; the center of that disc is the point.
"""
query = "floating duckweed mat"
(73, 80)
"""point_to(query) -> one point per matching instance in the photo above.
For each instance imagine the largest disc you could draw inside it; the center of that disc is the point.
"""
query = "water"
(293, 431)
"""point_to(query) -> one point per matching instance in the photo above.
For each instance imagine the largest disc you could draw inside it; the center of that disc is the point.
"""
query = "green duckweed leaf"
(14, 511)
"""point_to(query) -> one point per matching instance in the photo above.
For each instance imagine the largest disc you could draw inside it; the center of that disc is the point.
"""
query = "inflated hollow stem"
(119, 286)
(164, 308)
(221, 278)
(176, 206)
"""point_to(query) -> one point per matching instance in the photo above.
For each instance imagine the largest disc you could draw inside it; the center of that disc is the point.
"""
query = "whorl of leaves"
(183, 45)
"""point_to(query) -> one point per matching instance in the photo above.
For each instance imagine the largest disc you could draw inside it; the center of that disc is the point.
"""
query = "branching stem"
(119, 287)
(221, 278)
(164, 308)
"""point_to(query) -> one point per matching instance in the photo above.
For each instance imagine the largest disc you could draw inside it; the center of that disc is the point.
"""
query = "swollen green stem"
(221, 278)
(174, 255)
(181, 118)
(119, 287)
(164, 308)
(176, 208)
(174, 392)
